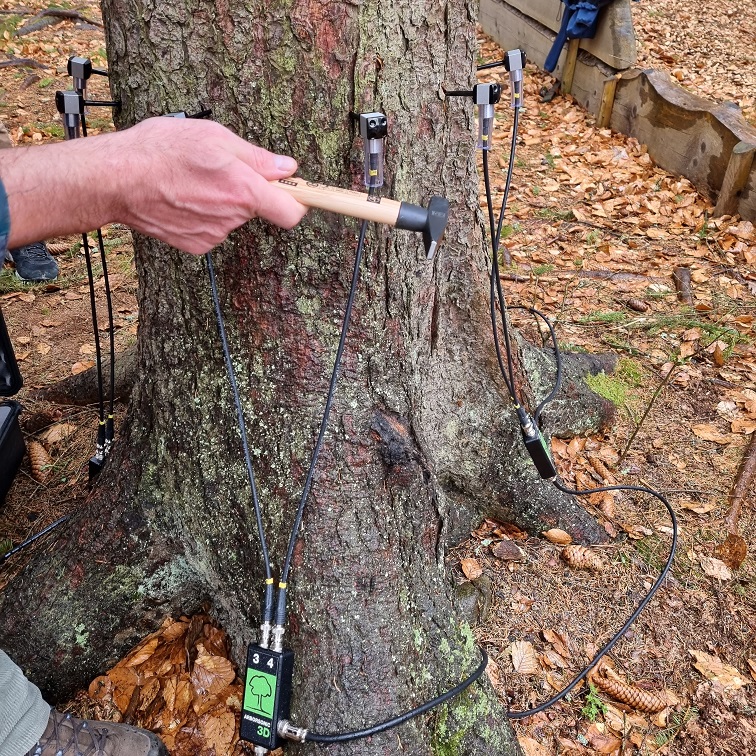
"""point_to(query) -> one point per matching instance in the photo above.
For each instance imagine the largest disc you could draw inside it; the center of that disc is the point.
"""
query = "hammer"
(431, 220)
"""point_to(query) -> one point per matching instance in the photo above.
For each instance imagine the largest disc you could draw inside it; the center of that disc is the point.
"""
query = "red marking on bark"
(223, 20)
(322, 24)
(297, 558)
(77, 576)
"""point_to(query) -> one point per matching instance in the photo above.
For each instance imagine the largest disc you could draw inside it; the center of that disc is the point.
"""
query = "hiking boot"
(68, 736)
(34, 263)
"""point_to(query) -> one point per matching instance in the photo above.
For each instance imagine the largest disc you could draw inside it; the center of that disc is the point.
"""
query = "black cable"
(281, 606)
(111, 324)
(316, 737)
(496, 292)
(108, 430)
(651, 593)
(33, 538)
(536, 417)
(93, 307)
(557, 358)
(268, 601)
(510, 172)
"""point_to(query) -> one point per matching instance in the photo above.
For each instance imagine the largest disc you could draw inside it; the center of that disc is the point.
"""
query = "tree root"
(82, 389)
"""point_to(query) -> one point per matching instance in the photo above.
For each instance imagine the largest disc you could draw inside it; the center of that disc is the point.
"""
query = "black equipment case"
(12, 445)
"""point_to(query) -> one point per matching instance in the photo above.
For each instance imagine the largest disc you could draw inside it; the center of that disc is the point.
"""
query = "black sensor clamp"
(373, 130)
(485, 96)
(70, 105)
(81, 70)
(514, 62)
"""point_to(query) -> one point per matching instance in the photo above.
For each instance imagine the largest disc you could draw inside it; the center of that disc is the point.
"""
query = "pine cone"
(582, 558)
(642, 700)
(602, 470)
(40, 461)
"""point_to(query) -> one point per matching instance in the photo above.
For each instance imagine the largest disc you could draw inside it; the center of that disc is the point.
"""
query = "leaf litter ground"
(594, 232)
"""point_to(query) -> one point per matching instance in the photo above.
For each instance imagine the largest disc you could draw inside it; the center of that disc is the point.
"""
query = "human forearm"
(188, 183)
(56, 189)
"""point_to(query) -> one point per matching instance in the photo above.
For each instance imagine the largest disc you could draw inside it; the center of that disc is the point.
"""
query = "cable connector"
(288, 731)
(514, 62)
(109, 435)
(265, 630)
(485, 96)
(278, 634)
(97, 462)
(373, 130)
(536, 445)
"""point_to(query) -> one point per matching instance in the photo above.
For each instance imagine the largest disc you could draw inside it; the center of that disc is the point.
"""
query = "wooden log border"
(710, 144)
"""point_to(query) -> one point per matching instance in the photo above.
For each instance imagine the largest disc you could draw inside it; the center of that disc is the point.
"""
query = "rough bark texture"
(422, 440)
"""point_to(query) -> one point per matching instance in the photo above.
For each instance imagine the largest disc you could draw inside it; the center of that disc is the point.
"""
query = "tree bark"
(422, 439)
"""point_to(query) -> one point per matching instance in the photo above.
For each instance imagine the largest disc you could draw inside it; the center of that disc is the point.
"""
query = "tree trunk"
(422, 439)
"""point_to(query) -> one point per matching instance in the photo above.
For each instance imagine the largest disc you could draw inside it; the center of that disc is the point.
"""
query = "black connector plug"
(539, 453)
(536, 445)
(267, 695)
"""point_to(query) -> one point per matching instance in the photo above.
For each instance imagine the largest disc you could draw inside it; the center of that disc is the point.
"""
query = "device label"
(260, 693)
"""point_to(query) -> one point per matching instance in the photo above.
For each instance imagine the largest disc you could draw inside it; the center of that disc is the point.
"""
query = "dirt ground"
(594, 232)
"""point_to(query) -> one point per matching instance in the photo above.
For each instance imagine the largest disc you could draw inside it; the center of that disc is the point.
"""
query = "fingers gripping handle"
(431, 221)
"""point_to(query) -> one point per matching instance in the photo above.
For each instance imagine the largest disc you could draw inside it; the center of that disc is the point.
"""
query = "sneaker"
(34, 263)
(68, 736)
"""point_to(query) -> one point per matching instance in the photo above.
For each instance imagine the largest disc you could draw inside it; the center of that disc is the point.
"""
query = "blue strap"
(556, 49)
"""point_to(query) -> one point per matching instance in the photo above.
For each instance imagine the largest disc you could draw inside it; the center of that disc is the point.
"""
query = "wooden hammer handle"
(344, 201)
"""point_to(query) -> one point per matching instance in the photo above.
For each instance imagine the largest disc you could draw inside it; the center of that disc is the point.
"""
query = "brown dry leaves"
(179, 683)
(706, 47)
(713, 668)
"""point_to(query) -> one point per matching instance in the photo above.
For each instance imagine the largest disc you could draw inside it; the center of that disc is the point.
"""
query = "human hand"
(191, 182)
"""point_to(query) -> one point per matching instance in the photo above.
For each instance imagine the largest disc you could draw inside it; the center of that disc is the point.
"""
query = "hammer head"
(438, 215)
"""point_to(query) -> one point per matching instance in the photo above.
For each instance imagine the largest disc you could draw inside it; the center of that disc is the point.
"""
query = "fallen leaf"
(733, 551)
(471, 568)
(523, 658)
(555, 535)
(713, 668)
(124, 682)
(143, 652)
(532, 747)
(715, 568)
(752, 667)
(57, 433)
(219, 729)
(80, 367)
(211, 674)
(745, 427)
(709, 432)
(507, 551)
(697, 506)
(601, 742)
(718, 355)
(560, 641)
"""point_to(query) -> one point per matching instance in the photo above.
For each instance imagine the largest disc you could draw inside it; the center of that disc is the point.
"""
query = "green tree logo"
(260, 694)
